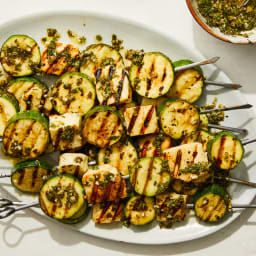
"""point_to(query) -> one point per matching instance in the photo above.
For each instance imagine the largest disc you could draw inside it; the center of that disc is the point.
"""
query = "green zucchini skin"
(57, 206)
(9, 106)
(79, 216)
(108, 123)
(147, 80)
(150, 176)
(26, 135)
(212, 203)
(225, 150)
(29, 176)
(73, 92)
(139, 210)
(21, 65)
(30, 93)
(178, 118)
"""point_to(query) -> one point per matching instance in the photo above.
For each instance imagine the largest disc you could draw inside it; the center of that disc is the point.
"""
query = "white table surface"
(27, 234)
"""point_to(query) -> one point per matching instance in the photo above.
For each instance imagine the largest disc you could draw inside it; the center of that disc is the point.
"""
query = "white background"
(27, 234)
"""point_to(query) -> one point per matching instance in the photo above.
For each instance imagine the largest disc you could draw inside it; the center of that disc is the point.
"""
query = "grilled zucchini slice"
(75, 164)
(185, 188)
(170, 208)
(58, 58)
(212, 203)
(79, 216)
(123, 156)
(154, 77)
(30, 92)
(62, 196)
(178, 118)
(19, 54)
(102, 127)
(188, 162)
(74, 93)
(153, 145)
(150, 176)
(9, 106)
(26, 135)
(103, 183)
(139, 210)
(5, 78)
(29, 176)
(199, 136)
(65, 131)
(141, 120)
(203, 122)
(188, 84)
(98, 55)
(225, 150)
(107, 212)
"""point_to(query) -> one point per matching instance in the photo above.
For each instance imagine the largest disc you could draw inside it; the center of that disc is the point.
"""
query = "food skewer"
(227, 128)
(226, 85)
(235, 206)
(245, 106)
(245, 142)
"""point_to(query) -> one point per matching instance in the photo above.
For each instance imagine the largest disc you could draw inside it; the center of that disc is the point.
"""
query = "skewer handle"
(226, 85)
(227, 128)
(196, 64)
(248, 141)
(244, 182)
(245, 106)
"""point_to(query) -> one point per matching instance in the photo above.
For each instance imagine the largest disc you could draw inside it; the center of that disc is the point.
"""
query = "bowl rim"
(208, 29)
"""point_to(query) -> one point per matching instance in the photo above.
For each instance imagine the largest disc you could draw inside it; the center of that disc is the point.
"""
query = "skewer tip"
(212, 60)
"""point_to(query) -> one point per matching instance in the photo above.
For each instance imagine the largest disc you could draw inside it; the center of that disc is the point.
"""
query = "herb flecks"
(135, 56)
(68, 133)
(116, 43)
(197, 168)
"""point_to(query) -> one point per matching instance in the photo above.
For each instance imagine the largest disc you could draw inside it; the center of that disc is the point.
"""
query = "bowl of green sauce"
(226, 19)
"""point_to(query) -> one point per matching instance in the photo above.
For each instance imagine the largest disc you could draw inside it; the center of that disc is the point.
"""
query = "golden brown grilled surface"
(171, 207)
(57, 65)
(141, 120)
(183, 156)
(25, 138)
(103, 183)
(107, 212)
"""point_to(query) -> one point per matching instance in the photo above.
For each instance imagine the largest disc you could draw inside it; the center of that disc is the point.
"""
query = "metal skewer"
(227, 128)
(243, 182)
(235, 206)
(245, 106)
(196, 64)
(226, 85)
(245, 142)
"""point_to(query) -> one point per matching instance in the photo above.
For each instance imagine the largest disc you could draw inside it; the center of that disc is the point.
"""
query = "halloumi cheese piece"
(171, 207)
(103, 183)
(58, 58)
(107, 212)
(141, 120)
(65, 131)
(75, 164)
(182, 157)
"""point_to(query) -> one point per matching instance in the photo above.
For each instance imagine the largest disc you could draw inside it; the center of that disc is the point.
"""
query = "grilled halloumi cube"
(73, 163)
(103, 183)
(141, 120)
(107, 212)
(170, 207)
(58, 58)
(65, 131)
(180, 158)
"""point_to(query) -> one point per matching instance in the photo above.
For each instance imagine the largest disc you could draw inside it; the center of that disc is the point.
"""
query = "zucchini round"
(30, 93)
(188, 84)
(19, 55)
(62, 196)
(102, 127)
(225, 150)
(73, 92)
(5, 78)
(150, 176)
(9, 106)
(26, 135)
(203, 122)
(178, 118)
(123, 156)
(29, 176)
(154, 77)
(199, 136)
(185, 188)
(212, 203)
(139, 210)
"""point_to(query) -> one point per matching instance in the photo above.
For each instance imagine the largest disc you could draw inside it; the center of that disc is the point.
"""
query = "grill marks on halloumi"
(183, 156)
(107, 212)
(141, 120)
(57, 63)
(103, 128)
(103, 184)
